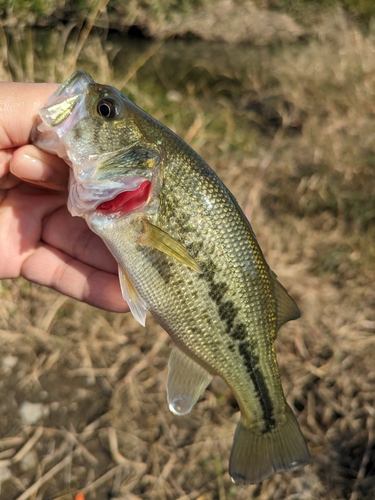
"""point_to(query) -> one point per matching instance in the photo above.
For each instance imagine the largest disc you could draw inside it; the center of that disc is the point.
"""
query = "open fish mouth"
(53, 133)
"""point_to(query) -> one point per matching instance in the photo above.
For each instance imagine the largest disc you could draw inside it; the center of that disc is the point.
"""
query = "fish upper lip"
(57, 114)
(61, 104)
(73, 86)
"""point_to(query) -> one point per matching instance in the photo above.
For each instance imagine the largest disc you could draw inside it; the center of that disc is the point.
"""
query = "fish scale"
(186, 254)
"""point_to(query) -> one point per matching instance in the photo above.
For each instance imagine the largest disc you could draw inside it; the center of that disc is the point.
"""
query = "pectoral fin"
(155, 237)
(130, 294)
(186, 382)
(138, 159)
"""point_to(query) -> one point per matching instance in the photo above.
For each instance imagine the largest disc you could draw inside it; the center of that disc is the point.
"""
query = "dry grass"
(290, 131)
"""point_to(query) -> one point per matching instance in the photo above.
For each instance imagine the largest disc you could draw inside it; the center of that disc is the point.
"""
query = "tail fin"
(256, 455)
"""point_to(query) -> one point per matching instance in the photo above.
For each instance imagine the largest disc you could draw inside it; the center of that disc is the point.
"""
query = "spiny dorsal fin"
(155, 237)
(186, 382)
(130, 294)
(286, 307)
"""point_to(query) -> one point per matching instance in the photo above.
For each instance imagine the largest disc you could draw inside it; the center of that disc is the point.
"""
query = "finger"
(38, 167)
(73, 237)
(19, 105)
(22, 212)
(50, 267)
(5, 156)
(9, 181)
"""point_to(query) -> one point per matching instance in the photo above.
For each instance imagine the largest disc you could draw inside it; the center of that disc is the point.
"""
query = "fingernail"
(32, 168)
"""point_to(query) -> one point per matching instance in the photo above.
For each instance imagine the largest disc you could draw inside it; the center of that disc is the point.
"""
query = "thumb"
(38, 167)
(19, 105)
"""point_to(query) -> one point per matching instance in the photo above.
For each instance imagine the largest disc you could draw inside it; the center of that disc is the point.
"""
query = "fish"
(187, 254)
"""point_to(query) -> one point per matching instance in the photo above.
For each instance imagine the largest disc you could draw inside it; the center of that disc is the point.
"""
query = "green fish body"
(186, 254)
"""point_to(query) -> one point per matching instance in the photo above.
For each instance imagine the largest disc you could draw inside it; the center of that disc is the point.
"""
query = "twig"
(87, 364)
(139, 62)
(167, 469)
(91, 428)
(35, 373)
(46, 321)
(253, 197)
(11, 441)
(113, 446)
(49, 475)
(28, 446)
(80, 448)
(90, 20)
(365, 458)
(101, 480)
(143, 363)
(4, 54)
(116, 455)
(6, 454)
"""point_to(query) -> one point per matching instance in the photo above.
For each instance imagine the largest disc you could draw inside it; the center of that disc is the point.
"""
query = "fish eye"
(106, 108)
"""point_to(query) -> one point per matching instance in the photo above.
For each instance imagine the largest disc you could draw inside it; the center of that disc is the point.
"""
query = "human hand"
(39, 239)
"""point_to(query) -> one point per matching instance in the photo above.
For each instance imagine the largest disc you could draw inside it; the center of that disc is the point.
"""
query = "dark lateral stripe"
(226, 308)
(228, 312)
(251, 362)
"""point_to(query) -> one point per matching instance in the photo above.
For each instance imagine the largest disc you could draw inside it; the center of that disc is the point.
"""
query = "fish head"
(102, 136)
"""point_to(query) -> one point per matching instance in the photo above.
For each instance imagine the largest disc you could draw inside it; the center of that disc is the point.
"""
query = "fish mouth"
(61, 110)
(61, 104)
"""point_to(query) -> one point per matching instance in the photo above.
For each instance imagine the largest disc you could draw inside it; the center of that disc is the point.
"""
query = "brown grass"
(290, 131)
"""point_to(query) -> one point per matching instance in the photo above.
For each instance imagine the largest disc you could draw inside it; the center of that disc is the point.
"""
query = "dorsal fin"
(287, 309)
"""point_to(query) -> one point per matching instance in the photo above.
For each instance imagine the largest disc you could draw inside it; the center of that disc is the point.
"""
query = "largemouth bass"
(188, 255)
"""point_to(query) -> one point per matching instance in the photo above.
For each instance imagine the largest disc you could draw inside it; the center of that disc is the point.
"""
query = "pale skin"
(39, 239)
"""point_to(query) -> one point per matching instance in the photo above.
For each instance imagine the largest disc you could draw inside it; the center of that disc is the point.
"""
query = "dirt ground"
(290, 131)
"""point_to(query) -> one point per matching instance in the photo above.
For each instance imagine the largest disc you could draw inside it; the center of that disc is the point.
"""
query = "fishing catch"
(188, 255)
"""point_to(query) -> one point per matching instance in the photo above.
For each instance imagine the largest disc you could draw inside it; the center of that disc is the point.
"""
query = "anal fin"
(186, 382)
(130, 294)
